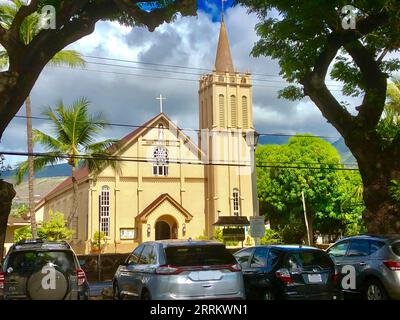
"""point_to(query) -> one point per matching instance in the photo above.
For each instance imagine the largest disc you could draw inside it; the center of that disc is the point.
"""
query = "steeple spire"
(223, 60)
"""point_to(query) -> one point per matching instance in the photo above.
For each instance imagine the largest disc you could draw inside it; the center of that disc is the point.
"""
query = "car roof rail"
(30, 241)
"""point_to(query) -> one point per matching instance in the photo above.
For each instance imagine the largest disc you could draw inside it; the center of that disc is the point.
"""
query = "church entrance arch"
(166, 228)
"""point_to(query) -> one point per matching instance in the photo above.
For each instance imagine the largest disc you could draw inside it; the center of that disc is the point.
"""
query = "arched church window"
(221, 79)
(234, 113)
(245, 112)
(160, 161)
(233, 79)
(243, 80)
(221, 110)
(236, 202)
(105, 210)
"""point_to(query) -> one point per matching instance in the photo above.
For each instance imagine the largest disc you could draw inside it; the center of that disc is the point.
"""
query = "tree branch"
(375, 84)
(22, 13)
(316, 89)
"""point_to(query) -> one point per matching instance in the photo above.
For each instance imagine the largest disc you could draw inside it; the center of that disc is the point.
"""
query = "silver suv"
(179, 270)
(376, 261)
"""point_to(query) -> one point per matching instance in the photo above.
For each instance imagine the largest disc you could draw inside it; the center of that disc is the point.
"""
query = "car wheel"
(374, 290)
(116, 293)
(268, 295)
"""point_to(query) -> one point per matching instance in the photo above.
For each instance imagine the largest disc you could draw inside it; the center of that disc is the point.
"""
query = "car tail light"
(2, 279)
(284, 275)
(81, 276)
(392, 265)
(335, 277)
(168, 269)
(235, 267)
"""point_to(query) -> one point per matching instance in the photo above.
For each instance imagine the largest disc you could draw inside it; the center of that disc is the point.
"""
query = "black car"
(42, 270)
(274, 272)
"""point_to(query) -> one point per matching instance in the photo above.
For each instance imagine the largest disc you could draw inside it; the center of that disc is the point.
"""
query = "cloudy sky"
(127, 93)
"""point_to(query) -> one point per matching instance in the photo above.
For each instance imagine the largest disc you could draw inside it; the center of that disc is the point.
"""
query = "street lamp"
(252, 138)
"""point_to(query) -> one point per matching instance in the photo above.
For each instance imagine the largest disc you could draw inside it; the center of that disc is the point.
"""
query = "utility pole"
(305, 218)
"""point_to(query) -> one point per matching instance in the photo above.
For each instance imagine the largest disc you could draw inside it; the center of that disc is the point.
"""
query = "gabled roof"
(83, 173)
(164, 197)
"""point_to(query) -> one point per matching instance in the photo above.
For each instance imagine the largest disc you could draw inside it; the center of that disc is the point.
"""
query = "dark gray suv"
(376, 261)
(42, 270)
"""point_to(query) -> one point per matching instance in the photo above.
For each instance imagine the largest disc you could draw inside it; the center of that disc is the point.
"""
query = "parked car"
(273, 272)
(376, 260)
(42, 270)
(179, 269)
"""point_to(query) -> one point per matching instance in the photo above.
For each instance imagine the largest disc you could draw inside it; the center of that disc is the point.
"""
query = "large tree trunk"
(7, 193)
(382, 214)
(30, 167)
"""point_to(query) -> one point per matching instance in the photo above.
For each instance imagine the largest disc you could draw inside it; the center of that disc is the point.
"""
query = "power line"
(187, 129)
(158, 77)
(177, 72)
(170, 161)
(170, 66)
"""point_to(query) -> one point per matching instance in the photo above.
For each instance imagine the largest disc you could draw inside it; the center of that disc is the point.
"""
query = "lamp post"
(252, 138)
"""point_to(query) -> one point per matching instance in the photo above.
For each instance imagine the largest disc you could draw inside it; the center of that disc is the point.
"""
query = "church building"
(168, 186)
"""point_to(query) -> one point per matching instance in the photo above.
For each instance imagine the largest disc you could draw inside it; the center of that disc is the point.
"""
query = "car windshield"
(396, 248)
(198, 255)
(35, 260)
(308, 260)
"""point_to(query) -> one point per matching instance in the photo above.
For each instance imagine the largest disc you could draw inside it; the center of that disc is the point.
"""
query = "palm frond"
(38, 164)
(70, 58)
(50, 143)
(98, 161)
(58, 123)
(100, 146)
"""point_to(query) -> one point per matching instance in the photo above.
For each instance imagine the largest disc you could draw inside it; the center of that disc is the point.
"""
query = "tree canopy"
(332, 196)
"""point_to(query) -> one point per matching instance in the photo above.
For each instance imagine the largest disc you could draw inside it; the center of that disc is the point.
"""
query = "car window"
(243, 257)
(273, 257)
(259, 258)
(375, 246)
(339, 250)
(359, 248)
(396, 248)
(134, 257)
(35, 260)
(148, 255)
(199, 255)
(307, 260)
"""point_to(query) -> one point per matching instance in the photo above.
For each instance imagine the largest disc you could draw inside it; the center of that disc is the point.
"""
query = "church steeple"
(223, 59)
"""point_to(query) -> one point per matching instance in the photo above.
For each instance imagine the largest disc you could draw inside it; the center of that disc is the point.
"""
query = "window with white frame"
(160, 161)
(105, 210)
(236, 202)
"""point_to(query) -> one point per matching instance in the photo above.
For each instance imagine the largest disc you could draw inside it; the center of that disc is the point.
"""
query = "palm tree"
(74, 139)
(29, 29)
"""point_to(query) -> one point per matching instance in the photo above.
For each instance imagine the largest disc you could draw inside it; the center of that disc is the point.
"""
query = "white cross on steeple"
(222, 9)
(161, 102)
